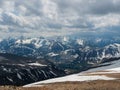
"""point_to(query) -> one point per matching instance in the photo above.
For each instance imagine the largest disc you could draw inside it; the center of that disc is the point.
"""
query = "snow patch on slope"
(80, 42)
(75, 77)
(36, 64)
(52, 54)
(109, 66)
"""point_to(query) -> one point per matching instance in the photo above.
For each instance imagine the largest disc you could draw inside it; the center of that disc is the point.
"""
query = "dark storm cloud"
(105, 7)
(90, 6)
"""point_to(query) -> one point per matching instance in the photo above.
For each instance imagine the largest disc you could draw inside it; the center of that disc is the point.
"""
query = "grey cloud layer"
(58, 17)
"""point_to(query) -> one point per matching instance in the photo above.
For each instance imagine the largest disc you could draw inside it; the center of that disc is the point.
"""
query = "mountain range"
(26, 60)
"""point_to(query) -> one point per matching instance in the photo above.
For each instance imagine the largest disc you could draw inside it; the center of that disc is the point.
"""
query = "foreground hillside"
(106, 71)
(93, 85)
(105, 77)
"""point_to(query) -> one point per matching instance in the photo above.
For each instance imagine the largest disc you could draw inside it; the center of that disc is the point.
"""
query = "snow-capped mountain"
(65, 52)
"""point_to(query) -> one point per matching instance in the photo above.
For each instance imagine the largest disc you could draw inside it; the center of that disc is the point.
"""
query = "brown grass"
(113, 75)
(91, 85)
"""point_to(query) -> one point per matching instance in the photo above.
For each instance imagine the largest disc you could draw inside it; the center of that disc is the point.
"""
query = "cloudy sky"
(58, 17)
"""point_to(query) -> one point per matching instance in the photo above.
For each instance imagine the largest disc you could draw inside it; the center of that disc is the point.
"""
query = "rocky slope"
(17, 70)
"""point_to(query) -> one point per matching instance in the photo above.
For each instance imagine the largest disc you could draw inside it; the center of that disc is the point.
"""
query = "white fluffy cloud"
(57, 17)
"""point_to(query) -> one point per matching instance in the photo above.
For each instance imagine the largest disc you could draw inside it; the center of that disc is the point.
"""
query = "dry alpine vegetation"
(91, 85)
(86, 85)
